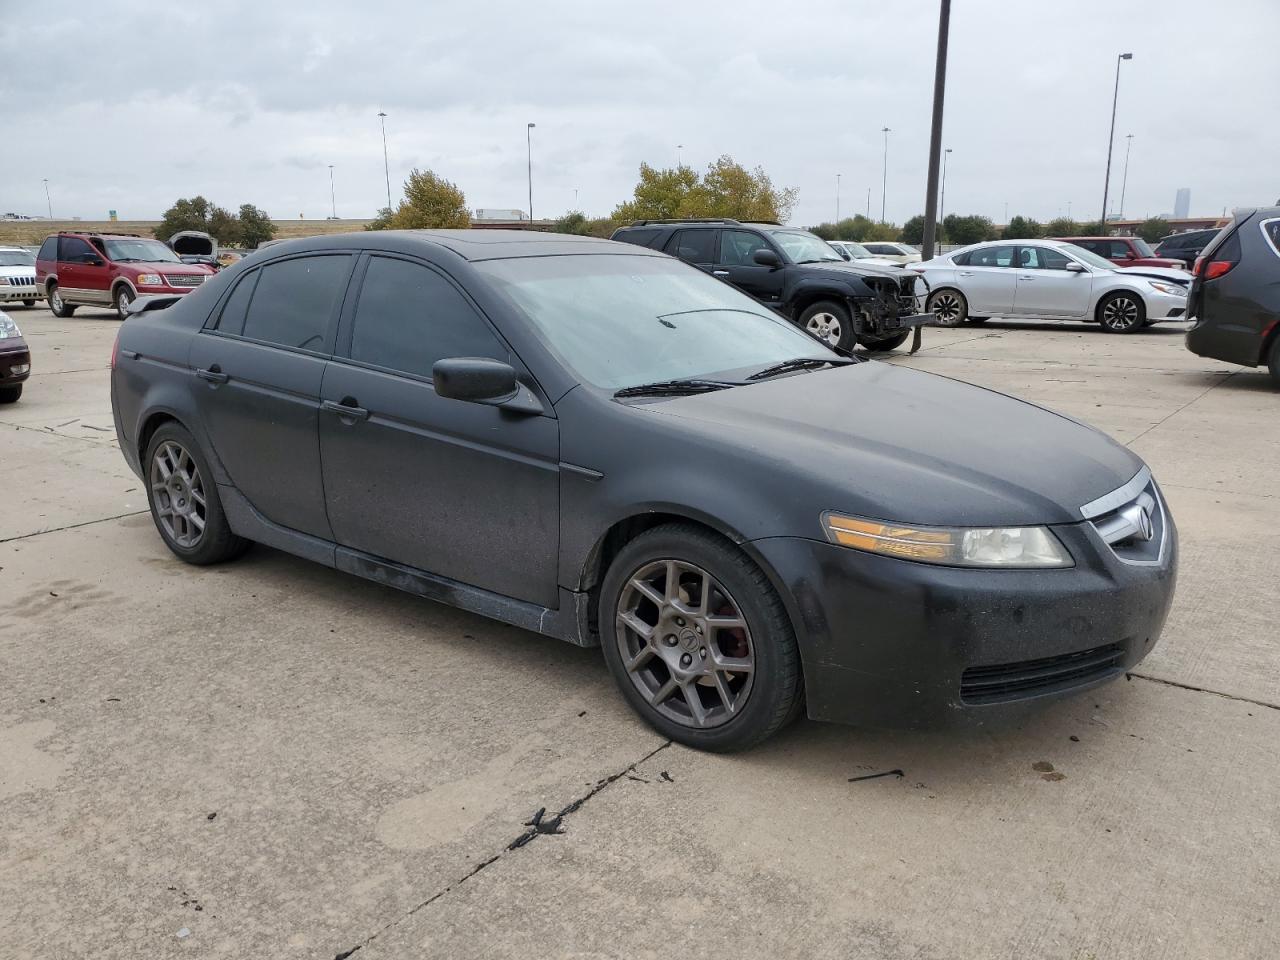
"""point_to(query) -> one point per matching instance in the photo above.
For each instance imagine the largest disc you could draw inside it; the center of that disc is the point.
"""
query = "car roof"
(472, 245)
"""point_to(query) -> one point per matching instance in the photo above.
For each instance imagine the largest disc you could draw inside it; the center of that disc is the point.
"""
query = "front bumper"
(1165, 306)
(15, 361)
(10, 292)
(894, 643)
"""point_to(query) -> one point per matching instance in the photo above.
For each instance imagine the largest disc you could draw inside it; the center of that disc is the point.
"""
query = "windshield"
(804, 247)
(620, 321)
(1143, 248)
(148, 251)
(16, 258)
(1089, 257)
(856, 250)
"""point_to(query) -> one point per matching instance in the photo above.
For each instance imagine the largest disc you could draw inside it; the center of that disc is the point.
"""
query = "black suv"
(1235, 294)
(798, 274)
(1185, 246)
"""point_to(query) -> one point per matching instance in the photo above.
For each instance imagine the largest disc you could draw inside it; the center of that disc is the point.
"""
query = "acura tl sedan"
(602, 444)
(1051, 280)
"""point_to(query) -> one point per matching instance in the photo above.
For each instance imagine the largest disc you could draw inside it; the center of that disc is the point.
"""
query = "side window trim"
(213, 322)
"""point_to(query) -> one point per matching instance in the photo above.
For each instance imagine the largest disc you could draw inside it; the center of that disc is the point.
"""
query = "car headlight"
(149, 280)
(8, 328)
(1021, 547)
(4, 282)
(1170, 288)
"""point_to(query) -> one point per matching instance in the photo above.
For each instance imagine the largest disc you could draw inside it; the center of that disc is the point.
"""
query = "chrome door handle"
(347, 409)
(719, 273)
(214, 374)
(1023, 277)
(966, 274)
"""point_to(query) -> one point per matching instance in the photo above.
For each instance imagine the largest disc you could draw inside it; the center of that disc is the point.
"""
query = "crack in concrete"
(526, 839)
(71, 526)
(50, 432)
(1216, 693)
(1194, 399)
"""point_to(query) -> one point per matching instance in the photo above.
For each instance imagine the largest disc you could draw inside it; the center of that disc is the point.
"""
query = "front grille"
(1131, 520)
(185, 280)
(23, 281)
(1031, 678)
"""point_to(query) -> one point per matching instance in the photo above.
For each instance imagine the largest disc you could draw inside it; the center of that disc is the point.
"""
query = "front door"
(83, 274)
(461, 490)
(736, 266)
(259, 367)
(1046, 288)
(988, 280)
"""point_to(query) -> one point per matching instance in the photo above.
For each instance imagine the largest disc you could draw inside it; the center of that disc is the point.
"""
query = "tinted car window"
(409, 316)
(1042, 258)
(737, 246)
(1119, 250)
(992, 257)
(693, 246)
(642, 238)
(295, 300)
(1271, 230)
(237, 306)
(74, 250)
(49, 249)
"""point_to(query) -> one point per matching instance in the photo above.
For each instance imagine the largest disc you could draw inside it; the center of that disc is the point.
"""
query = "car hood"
(890, 443)
(843, 269)
(23, 271)
(1159, 273)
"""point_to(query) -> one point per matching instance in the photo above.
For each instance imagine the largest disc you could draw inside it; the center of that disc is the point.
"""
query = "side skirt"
(568, 623)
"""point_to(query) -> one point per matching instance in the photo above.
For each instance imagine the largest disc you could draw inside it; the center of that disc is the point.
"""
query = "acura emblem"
(1146, 530)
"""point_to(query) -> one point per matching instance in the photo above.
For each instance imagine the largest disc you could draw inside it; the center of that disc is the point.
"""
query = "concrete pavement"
(270, 758)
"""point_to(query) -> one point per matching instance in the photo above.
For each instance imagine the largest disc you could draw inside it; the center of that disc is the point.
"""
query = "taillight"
(1197, 265)
(1217, 268)
(115, 351)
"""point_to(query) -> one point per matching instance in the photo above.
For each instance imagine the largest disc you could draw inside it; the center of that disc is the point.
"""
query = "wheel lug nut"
(669, 640)
(698, 628)
(679, 621)
(686, 660)
(703, 653)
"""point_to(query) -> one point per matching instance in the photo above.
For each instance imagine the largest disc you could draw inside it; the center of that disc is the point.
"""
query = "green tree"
(382, 221)
(224, 225)
(882, 231)
(726, 190)
(913, 230)
(968, 229)
(1022, 228)
(195, 213)
(430, 202)
(1094, 228)
(256, 227)
(575, 222)
(1154, 228)
(827, 231)
(1062, 227)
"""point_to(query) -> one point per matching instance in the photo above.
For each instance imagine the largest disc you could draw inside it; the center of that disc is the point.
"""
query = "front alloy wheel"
(1122, 313)
(685, 643)
(178, 493)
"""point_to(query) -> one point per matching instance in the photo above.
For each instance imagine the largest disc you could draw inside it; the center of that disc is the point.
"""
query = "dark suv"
(1235, 294)
(797, 274)
(1186, 246)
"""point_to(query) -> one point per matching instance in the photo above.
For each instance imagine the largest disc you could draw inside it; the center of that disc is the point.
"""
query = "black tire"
(830, 322)
(885, 343)
(773, 693)
(1122, 312)
(57, 305)
(977, 321)
(948, 306)
(10, 394)
(28, 303)
(1273, 363)
(215, 542)
(123, 297)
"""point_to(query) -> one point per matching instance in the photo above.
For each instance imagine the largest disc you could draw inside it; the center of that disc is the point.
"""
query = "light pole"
(942, 203)
(1111, 137)
(528, 135)
(46, 197)
(575, 198)
(679, 161)
(1124, 183)
(332, 202)
(837, 198)
(868, 203)
(884, 182)
(386, 166)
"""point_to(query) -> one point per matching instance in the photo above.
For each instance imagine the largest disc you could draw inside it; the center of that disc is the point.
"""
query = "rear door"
(695, 246)
(989, 280)
(1046, 288)
(259, 366)
(462, 490)
(735, 265)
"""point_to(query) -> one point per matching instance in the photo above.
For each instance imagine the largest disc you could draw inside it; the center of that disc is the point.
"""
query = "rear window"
(1271, 230)
(295, 300)
(49, 249)
(236, 308)
(641, 238)
(693, 246)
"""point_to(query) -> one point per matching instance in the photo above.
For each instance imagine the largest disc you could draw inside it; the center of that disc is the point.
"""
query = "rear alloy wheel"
(698, 641)
(1122, 312)
(949, 308)
(1273, 363)
(829, 322)
(184, 500)
(124, 297)
(59, 306)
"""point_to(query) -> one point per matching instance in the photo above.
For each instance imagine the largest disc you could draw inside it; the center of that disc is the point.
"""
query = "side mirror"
(766, 258)
(1074, 267)
(91, 260)
(482, 380)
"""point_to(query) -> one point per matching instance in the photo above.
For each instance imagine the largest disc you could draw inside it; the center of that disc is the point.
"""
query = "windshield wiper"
(675, 387)
(822, 260)
(128, 260)
(800, 363)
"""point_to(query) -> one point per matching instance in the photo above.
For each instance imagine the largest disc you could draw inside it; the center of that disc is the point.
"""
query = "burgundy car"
(1124, 251)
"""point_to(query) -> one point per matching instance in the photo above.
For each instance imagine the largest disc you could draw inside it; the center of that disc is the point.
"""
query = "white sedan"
(1050, 280)
(897, 252)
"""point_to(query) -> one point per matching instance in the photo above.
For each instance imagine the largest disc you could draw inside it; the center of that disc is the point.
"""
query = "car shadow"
(1175, 328)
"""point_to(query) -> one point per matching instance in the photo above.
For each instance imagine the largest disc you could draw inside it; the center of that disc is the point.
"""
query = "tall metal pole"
(942, 204)
(884, 182)
(46, 198)
(837, 198)
(868, 203)
(1111, 137)
(528, 134)
(935, 137)
(679, 161)
(386, 165)
(1124, 183)
(332, 202)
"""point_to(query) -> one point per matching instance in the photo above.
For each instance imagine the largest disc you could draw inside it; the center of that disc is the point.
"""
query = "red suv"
(1124, 251)
(107, 270)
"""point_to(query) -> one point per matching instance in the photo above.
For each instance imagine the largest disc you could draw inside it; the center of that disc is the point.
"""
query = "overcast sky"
(128, 106)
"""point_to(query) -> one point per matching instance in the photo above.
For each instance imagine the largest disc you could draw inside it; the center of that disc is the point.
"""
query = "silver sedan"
(1051, 280)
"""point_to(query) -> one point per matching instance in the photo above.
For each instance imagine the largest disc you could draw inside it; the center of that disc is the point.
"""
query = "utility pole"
(837, 198)
(679, 162)
(333, 204)
(884, 182)
(386, 166)
(942, 204)
(46, 197)
(935, 142)
(1124, 183)
(1111, 137)
(528, 134)
(868, 203)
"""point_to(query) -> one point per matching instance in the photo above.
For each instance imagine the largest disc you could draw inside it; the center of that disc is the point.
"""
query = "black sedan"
(602, 444)
(15, 360)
